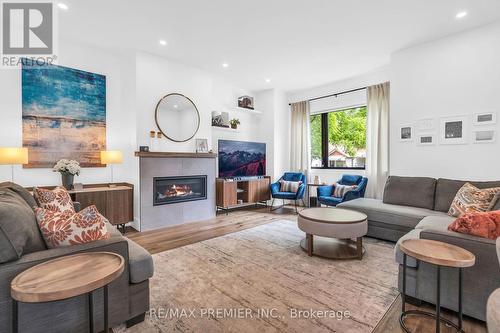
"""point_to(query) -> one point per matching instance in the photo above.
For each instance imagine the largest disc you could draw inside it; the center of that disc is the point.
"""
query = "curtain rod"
(336, 94)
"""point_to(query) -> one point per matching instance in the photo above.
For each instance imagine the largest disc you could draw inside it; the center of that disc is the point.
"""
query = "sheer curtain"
(377, 139)
(300, 154)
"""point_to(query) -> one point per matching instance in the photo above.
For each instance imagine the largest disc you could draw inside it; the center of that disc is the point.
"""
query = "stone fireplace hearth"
(176, 188)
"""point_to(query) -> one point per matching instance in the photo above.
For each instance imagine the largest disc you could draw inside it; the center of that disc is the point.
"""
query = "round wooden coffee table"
(67, 277)
(439, 254)
(336, 227)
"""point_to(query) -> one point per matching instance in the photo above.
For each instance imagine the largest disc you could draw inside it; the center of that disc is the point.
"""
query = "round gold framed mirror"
(177, 117)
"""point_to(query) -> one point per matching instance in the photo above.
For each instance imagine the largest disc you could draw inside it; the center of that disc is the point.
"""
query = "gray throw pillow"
(19, 233)
(410, 191)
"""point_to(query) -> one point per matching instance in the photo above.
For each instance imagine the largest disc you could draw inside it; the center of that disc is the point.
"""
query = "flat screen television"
(241, 159)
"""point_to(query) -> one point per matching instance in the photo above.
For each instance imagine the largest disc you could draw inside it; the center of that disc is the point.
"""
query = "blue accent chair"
(299, 195)
(325, 192)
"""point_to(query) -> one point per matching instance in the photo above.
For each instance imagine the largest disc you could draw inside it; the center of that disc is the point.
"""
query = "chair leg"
(295, 202)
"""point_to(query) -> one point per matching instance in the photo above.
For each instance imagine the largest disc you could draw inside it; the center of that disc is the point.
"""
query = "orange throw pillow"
(56, 200)
(67, 228)
(485, 224)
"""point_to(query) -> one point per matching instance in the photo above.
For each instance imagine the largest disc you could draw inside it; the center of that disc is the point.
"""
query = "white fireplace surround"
(155, 217)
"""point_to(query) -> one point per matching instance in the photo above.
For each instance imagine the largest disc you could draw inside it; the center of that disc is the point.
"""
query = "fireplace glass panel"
(167, 190)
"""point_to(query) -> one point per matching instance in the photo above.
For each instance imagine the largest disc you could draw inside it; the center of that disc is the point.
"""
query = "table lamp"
(12, 156)
(111, 157)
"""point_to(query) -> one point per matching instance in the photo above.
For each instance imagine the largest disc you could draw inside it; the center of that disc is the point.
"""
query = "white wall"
(375, 77)
(119, 114)
(457, 75)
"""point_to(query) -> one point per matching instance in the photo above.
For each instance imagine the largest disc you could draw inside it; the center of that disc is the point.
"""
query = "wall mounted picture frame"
(484, 136)
(454, 130)
(426, 139)
(425, 125)
(201, 145)
(220, 119)
(406, 133)
(485, 118)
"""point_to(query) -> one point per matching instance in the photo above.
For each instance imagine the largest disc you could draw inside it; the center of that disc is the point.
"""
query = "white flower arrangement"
(65, 166)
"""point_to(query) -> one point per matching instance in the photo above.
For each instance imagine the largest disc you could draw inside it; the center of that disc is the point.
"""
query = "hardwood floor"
(177, 236)
(185, 234)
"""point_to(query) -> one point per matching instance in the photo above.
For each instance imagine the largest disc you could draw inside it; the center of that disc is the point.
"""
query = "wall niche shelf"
(225, 129)
(248, 111)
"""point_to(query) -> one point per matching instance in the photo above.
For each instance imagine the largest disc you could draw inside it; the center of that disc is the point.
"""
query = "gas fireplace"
(168, 190)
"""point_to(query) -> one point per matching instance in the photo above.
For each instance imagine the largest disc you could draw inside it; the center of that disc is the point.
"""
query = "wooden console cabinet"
(236, 193)
(113, 201)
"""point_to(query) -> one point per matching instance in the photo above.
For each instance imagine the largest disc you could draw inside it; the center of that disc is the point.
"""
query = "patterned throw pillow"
(470, 199)
(485, 224)
(287, 186)
(340, 190)
(56, 200)
(70, 228)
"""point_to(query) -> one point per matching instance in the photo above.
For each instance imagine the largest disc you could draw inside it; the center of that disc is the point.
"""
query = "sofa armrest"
(325, 191)
(300, 191)
(275, 187)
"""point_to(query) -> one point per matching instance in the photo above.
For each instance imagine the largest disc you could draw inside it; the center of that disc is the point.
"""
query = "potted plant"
(68, 169)
(234, 123)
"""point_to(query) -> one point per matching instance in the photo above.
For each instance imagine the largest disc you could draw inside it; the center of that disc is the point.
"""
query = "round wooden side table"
(439, 254)
(67, 277)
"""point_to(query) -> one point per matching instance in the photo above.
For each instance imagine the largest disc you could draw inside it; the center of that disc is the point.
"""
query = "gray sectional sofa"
(416, 207)
(22, 246)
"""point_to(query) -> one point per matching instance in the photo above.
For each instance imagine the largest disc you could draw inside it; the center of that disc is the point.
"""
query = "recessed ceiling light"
(163, 42)
(225, 65)
(176, 106)
(268, 80)
(63, 6)
(461, 15)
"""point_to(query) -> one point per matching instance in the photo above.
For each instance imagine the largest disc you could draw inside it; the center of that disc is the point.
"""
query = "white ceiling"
(296, 43)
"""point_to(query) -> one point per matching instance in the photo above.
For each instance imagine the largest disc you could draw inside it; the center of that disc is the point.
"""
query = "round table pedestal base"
(333, 248)
(426, 314)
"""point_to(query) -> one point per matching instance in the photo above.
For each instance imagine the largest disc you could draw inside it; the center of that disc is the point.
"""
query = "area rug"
(260, 280)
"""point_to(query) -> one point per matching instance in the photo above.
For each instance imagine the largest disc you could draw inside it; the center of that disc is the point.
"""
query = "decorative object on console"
(470, 199)
(144, 148)
(234, 123)
(426, 139)
(317, 180)
(482, 224)
(68, 169)
(12, 156)
(201, 145)
(406, 133)
(177, 117)
(111, 157)
(220, 119)
(245, 102)
(70, 228)
(58, 119)
(485, 118)
(484, 136)
(453, 130)
(57, 200)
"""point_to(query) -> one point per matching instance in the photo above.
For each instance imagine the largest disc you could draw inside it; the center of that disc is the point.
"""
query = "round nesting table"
(438, 254)
(336, 228)
(67, 277)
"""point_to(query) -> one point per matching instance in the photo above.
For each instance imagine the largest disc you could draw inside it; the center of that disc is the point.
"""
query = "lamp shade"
(13, 155)
(111, 157)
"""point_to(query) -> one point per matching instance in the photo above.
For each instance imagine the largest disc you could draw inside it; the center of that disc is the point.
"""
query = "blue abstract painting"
(64, 115)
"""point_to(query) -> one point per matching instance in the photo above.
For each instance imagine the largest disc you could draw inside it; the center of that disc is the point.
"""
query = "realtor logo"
(27, 32)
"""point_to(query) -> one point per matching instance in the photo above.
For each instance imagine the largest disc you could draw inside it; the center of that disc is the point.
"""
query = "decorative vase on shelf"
(67, 180)
(159, 141)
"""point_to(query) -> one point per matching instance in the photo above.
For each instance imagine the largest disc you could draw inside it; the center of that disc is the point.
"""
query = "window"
(338, 139)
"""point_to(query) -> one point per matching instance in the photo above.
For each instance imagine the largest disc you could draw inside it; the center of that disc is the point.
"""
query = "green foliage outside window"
(346, 131)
